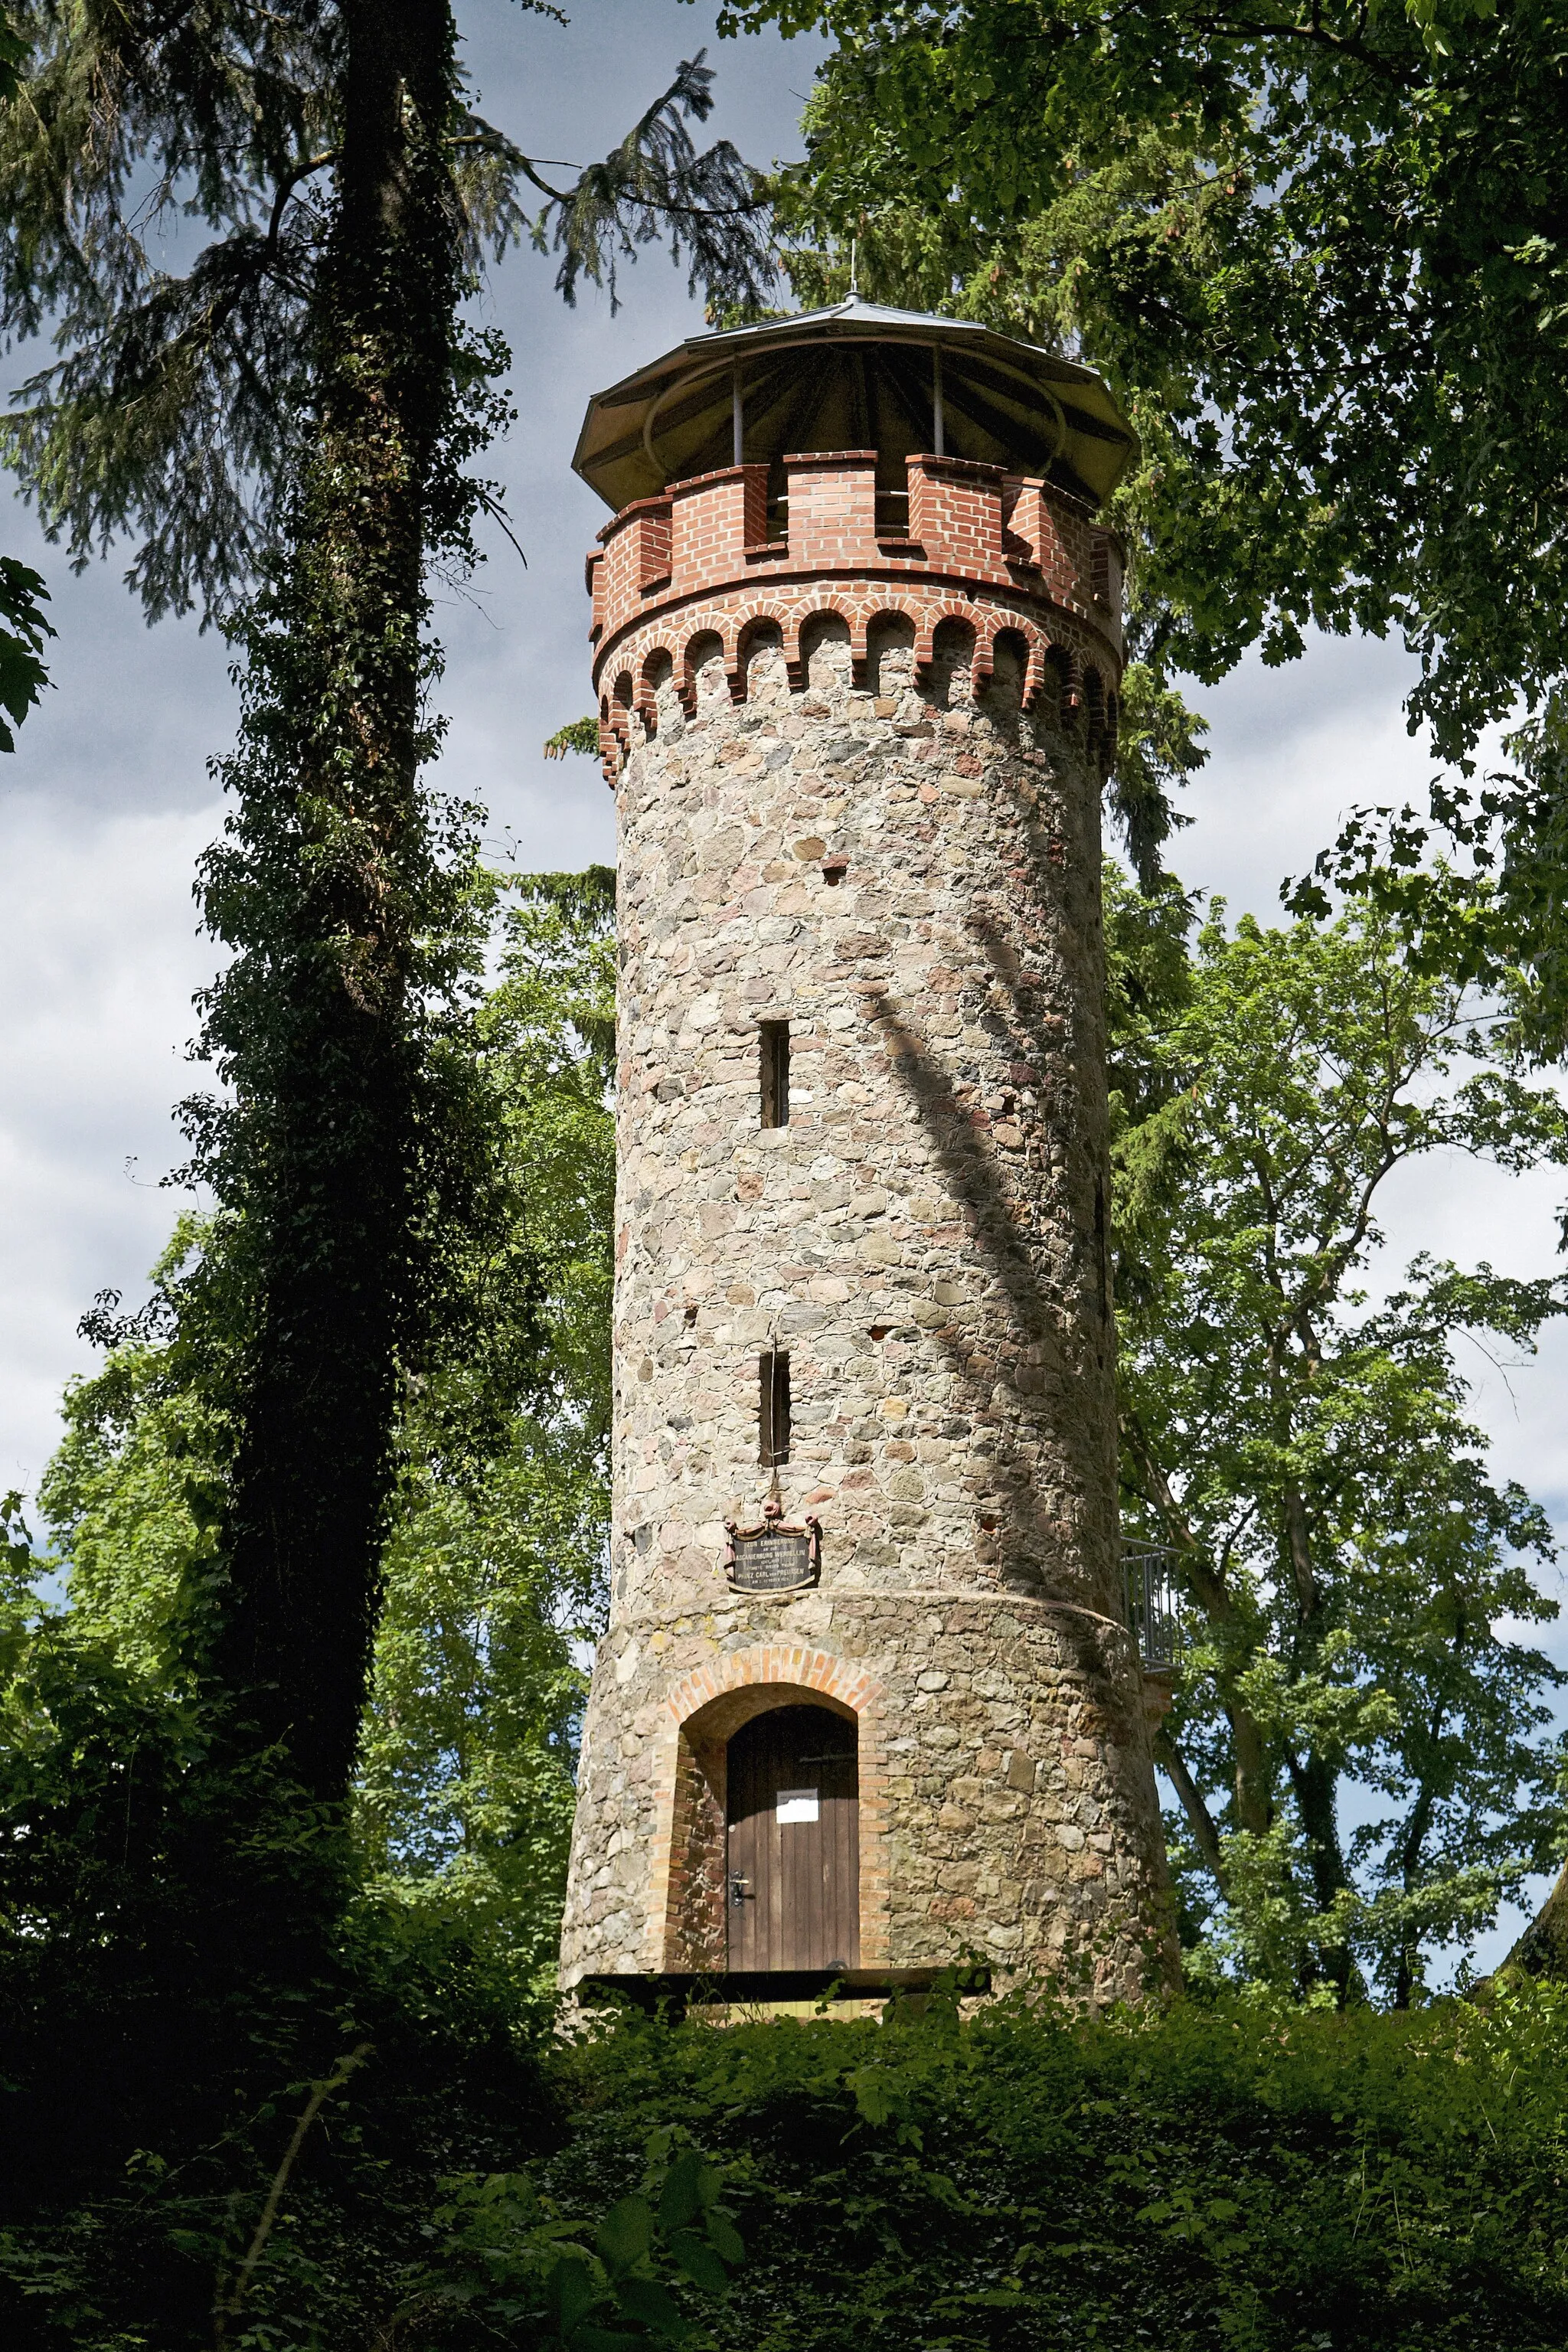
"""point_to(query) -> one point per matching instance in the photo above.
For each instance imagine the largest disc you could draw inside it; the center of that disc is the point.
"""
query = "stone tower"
(868, 1701)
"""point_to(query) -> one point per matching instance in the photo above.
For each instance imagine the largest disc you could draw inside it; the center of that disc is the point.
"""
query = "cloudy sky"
(107, 803)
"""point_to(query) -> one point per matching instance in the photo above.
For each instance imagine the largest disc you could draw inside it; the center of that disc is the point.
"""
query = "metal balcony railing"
(1153, 1612)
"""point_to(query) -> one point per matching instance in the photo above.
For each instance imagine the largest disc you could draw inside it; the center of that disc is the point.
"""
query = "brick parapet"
(831, 499)
(715, 518)
(956, 515)
(971, 526)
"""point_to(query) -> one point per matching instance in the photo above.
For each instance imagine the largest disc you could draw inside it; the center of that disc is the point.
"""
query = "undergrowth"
(1218, 2175)
(1277, 2180)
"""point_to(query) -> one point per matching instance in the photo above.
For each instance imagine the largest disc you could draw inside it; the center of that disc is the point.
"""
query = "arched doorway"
(793, 1878)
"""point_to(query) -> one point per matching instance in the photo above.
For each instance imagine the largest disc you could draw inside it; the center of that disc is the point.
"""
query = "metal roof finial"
(853, 270)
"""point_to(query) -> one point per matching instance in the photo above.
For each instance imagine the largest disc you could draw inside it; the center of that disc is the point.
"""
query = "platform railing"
(1153, 1602)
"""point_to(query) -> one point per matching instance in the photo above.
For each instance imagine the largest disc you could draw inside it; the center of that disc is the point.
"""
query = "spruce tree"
(287, 429)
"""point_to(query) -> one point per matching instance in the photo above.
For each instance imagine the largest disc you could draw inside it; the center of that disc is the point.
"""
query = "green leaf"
(644, 2299)
(875, 2098)
(723, 2235)
(691, 2184)
(570, 2292)
(625, 2233)
(699, 2261)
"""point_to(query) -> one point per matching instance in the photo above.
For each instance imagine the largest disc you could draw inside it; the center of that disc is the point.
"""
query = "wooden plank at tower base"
(793, 1842)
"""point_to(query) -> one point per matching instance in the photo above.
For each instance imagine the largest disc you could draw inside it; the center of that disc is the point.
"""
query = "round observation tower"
(868, 1703)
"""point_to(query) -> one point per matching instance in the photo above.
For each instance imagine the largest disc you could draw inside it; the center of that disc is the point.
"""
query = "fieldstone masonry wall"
(865, 801)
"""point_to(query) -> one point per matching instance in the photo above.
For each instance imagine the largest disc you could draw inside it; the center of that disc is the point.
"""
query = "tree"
(22, 627)
(495, 1559)
(182, 406)
(1319, 252)
(187, 1952)
(1294, 1429)
(300, 410)
(497, 1563)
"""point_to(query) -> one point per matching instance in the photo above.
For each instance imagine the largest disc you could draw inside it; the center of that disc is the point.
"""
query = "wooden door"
(793, 1891)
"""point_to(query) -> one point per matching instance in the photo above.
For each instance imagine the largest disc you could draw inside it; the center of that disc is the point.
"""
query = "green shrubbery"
(1233, 2175)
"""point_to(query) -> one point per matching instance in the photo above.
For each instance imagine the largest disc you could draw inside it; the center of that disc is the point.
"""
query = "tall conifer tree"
(291, 420)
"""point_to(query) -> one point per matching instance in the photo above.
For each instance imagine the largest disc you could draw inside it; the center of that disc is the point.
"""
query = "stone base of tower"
(1005, 1797)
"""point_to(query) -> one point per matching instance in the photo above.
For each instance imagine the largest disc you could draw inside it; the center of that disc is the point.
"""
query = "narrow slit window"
(775, 1073)
(773, 1382)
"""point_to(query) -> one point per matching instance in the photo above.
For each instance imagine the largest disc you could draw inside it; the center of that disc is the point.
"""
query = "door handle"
(739, 1891)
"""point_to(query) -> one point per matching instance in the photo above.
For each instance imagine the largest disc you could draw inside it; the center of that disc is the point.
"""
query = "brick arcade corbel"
(1035, 673)
(756, 618)
(950, 608)
(869, 616)
(646, 702)
(732, 634)
(797, 654)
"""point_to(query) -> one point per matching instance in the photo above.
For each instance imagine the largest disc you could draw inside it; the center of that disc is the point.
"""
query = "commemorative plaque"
(774, 1558)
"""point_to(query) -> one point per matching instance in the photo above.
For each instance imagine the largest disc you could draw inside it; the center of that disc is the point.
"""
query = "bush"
(231, 2083)
(1227, 2175)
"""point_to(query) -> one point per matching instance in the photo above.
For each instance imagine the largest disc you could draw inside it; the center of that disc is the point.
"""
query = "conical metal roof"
(855, 376)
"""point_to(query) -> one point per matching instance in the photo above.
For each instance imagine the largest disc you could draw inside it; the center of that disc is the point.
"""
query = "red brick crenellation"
(832, 514)
(955, 516)
(971, 525)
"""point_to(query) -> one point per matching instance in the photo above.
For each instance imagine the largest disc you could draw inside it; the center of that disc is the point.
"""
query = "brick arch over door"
(739, 1685)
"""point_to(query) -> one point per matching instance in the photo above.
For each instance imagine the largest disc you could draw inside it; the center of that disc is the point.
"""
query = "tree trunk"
(328, 886)
(1542, 1949)
(1315, 1782)
(1200, 1821)
(1252, 1778)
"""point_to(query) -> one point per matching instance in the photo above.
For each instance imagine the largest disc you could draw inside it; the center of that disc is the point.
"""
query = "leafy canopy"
(1319, 250)
(182, 399)
(1319, 254)
(1357, 1733)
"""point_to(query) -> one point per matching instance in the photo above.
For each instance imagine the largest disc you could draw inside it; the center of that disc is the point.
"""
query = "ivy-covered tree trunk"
(288, 419)
(328, 883)
(1542, 1949)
